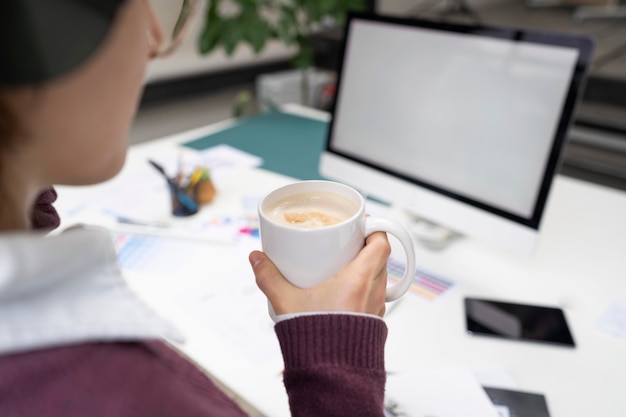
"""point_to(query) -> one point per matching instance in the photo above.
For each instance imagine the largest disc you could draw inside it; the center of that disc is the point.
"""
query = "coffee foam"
(311, 210)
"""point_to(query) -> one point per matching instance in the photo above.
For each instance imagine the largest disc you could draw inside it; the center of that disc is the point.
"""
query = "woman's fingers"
(359, 287)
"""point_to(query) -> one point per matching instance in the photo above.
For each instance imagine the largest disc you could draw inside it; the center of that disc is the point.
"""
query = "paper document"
(442, 393)
(224, 304)
(140, 194)
(513, 403)
(222, 161)
(613, 321)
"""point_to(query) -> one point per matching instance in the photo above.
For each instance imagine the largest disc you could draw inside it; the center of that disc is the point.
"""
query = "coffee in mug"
(311, 210)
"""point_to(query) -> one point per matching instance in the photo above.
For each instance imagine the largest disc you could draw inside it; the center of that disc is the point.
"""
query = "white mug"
(306, 256)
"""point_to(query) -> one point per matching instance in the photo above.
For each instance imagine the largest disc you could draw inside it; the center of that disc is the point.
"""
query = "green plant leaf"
(259, 21)
(210, 35)
(304, 56)
(256, 31)
(242, 101)
(232, 35)
(247, 3)
(312, 10)
(287, 27)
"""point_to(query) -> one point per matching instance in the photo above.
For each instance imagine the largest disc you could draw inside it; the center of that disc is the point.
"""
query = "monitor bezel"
(582, 43)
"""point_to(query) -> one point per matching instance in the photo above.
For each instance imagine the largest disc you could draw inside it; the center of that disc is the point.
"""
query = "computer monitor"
(461, 125)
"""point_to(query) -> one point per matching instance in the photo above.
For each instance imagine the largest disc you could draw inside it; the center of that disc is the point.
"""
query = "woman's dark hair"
(41, 40)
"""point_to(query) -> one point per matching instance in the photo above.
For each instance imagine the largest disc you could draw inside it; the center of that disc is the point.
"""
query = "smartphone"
(521, 322)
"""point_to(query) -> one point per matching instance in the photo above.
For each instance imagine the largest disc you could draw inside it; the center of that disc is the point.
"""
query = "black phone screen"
(522, 322)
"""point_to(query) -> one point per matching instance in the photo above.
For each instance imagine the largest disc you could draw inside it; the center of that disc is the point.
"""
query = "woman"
(74, 340)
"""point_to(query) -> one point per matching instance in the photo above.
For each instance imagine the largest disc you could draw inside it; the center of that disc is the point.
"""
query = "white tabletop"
(579, 265)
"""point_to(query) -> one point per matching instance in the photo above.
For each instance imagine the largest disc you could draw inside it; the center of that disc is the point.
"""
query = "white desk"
(580, 265)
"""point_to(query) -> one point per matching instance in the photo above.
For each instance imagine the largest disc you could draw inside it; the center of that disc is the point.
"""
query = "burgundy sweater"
(333, 367)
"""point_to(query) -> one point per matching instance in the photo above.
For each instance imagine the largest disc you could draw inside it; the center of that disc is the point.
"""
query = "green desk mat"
(289, 145)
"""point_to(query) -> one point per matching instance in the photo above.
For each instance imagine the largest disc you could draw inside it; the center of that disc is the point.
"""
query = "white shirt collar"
(68, 289)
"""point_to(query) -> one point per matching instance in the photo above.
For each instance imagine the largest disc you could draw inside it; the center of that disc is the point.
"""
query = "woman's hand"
(359, 287)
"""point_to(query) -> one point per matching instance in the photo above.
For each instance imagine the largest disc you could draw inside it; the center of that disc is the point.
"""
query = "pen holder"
(187, 194)
(182, 203)
(188, 199)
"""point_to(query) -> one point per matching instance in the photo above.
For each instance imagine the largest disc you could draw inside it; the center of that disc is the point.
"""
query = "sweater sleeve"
(334, 365)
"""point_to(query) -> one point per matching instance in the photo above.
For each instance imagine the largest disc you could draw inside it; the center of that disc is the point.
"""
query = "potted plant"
(229, 23)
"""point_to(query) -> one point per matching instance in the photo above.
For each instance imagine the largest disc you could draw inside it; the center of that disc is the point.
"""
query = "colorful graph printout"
(152, 254)
(425, 284)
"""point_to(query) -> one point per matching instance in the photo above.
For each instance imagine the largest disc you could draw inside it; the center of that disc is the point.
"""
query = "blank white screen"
(472, 115)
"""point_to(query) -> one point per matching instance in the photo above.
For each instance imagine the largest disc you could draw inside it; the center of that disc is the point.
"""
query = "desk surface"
(579, 265)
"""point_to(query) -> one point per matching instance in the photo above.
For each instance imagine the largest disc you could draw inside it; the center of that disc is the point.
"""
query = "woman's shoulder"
(121, 379)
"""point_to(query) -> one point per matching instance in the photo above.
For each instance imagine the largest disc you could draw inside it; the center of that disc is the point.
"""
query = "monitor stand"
(452, 8)
(429, 234)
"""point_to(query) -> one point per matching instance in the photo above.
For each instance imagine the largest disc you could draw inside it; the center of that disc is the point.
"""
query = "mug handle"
(379, 224)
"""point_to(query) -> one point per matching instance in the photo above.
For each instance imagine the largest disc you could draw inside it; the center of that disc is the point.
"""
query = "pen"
(161, 170)
(187, 203)
(156, 228)
(193, 180)
(179, 170)
(126, 220)
(171, 232)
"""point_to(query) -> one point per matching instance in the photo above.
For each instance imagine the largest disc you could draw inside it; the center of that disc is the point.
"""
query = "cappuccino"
(311, 210)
